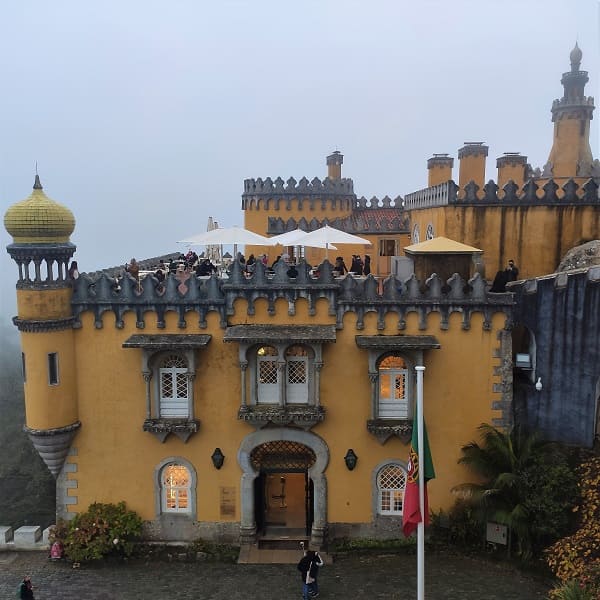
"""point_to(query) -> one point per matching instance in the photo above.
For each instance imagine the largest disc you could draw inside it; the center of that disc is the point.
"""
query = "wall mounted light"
(218, 458)
(538, 384)
(350, 459)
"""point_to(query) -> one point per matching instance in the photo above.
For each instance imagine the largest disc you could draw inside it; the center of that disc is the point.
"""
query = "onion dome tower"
(40, 229)
(571, 155)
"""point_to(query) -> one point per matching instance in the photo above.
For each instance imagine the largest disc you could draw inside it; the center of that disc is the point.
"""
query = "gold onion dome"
(38, 219)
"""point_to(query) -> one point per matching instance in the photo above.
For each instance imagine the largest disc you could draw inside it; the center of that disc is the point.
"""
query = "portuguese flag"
(411, 515)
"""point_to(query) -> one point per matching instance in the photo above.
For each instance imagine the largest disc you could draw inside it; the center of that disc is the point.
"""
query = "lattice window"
(175, 484)
(174, 387)
(391, 481)
(393, 392)
(267, 375)
(282, 455)
(296, 375)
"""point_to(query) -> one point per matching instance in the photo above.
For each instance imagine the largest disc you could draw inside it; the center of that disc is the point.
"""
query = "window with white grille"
(391, 481)
(174, 387)
(393, 384)
(296, 391)
(175, 484)
(267, 375)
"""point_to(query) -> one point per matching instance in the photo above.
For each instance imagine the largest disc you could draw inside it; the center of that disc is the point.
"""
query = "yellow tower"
(571, 155)
(40, 229)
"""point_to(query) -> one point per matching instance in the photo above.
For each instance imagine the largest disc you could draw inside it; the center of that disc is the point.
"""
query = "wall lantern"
(350, 459)
(538, 384)
(217, 458)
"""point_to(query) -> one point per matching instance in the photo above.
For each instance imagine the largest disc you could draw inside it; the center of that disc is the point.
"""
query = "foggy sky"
(146, 117)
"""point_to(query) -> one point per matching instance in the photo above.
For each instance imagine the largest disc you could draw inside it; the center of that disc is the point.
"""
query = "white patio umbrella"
(227, 235)
(290, 238)
(328, 236)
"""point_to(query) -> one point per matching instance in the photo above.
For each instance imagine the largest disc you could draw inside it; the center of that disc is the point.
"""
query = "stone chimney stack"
(439, 167)
(334, 165)
(511, 165)
(472, 164)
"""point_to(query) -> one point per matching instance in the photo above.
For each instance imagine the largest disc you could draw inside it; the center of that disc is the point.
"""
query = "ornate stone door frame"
(316, 474)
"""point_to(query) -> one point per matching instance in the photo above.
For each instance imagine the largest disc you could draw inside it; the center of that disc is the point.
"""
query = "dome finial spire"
(37, 185)
(575, 56)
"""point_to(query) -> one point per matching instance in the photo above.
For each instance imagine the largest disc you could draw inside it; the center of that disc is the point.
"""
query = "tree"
(526, 484)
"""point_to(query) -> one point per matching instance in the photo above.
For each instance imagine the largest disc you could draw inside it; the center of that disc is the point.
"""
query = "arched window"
(430, 233)
(393, 388)
(174, 387)
(416, 238)
(296, 358)
(267, 375)
(391, 481)
(175, 483)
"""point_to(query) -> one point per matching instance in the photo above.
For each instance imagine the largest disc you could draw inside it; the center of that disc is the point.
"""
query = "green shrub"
(461, 525)
(572, 590)
(103, 530)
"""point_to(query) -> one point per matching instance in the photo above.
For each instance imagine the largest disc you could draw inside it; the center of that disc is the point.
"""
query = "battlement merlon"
(268, 186)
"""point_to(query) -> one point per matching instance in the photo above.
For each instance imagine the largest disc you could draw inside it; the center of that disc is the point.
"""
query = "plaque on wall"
(227, 502)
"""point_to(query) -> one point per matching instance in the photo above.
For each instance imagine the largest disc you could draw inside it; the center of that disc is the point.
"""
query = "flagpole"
(421, 525)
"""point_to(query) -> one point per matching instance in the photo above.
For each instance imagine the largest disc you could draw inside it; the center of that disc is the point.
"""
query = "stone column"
(148, 378)
(243, 369)
(374, 378)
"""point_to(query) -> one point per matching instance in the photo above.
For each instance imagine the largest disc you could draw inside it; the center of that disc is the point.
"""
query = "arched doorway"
(283, 485)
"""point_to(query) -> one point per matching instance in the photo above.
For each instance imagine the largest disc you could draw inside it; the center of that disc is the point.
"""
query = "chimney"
(472, 164)
(334, 165)
(511, 165)
(439, 167)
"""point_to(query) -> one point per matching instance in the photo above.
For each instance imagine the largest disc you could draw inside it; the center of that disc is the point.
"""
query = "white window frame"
(394, 492)
(179, 491)
(296, 393)
(267, 393)
(160, 494)
(175, 406)
(392, 408)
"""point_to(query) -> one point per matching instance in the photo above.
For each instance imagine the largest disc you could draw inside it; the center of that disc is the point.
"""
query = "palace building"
(241, 407)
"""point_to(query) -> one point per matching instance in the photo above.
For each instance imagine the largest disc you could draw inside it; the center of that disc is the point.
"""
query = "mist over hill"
(27, 489)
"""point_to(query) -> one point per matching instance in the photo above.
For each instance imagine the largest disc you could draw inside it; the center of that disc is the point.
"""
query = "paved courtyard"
(368, 576)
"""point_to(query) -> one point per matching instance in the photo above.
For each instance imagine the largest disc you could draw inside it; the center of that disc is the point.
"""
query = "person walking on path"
(309, 568)
(26, 589)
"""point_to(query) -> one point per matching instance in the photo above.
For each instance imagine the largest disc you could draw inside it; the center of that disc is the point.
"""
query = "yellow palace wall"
(115, 460)
(535, 237)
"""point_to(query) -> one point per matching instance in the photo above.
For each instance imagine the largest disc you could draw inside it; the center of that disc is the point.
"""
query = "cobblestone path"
(360, 576)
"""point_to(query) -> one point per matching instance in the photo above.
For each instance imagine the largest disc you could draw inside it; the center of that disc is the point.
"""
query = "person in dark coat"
(309, 567)
(512, 271)
(26, 589)
(367, 265)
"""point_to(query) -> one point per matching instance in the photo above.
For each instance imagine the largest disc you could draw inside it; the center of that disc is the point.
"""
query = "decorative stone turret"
(472, 163)
(439, 167)
(571, 115)
(512, 166)
(40, 229)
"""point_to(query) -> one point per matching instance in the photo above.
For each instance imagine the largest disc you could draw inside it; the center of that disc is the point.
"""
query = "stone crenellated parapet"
(548, 194)
(375, 203)
(267, 194)
(149, 299)
(261, 187)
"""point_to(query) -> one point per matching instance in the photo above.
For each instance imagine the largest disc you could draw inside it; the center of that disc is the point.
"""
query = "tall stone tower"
(571, 153)
(40, 229)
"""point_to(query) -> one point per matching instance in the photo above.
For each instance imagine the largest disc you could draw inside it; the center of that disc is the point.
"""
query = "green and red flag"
(411, 514)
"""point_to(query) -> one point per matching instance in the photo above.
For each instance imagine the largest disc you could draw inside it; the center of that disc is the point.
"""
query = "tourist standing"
(26, 588)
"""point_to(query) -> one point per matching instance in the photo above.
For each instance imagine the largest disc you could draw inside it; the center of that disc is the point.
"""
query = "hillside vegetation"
(27, 489)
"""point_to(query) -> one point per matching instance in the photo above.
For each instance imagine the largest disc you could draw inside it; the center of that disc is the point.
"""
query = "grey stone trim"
(397, 342)
(267, 334)
(53, 444)
(191, 514)
(178, 528)
(511, 159)
(26, 255)
(304, 416)
(316, 473)
(34, 326)
(473, 149)
(384, 429)
(167, 341)
(505, 387)
(342, 294)
(182, 428)
(63, 499)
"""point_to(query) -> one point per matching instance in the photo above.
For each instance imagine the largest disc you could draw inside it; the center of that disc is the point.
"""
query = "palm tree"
(501, 461)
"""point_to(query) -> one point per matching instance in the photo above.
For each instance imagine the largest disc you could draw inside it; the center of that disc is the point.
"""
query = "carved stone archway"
(316, 474)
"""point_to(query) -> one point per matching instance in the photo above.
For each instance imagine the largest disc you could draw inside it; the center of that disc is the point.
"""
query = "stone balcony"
(303, 416)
